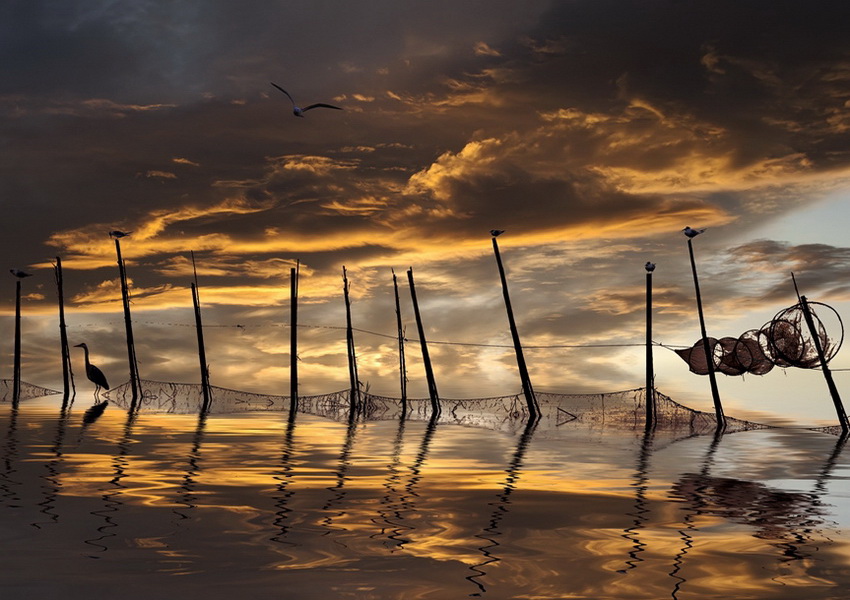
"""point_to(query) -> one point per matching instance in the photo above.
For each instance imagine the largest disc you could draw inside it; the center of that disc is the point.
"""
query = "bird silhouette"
(649, 266)
(297, 110)
(119, 234)
(496, 232)
(19, 274)
(94, 374)
(692, 233)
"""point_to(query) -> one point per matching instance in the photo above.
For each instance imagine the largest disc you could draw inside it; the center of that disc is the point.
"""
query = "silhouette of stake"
(426, 358)
(293, 338)
(402, 366)
(530, 399)
(67, 372)
(827, 374)
(135, 382)
(650, 370)
(354, 397)
(709, 357)
(16, 369)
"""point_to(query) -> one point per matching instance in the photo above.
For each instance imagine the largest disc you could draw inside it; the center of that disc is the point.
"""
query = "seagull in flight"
(119, 234)
(649, 266)
(692, 233)
(496, 232)
(297, 110)
(19, 274)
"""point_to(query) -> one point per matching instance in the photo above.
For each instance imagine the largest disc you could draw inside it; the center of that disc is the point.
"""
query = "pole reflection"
(9, 485)
(492, 531)
(640, 514)
(186, 490)
(284, 479)
(338, 490)
(390, 508)
(52, 484)
(407, 504)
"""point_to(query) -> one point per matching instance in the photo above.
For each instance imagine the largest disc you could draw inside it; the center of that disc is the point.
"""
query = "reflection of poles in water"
(641, 511)
(339, 490)
(390, 507)
(407, 502)
(69, 390)
(52, 485)
(110, 495)
(491, 532)
(698, 508)
(186, 489)
(426, 357)
(284, 478)
(10, 454)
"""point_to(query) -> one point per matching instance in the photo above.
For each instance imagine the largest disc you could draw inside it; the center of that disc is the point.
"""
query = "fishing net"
(624, 409)
(785, 341)
(27, 391)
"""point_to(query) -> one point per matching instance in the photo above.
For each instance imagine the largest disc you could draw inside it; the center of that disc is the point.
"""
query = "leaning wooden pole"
(354, 394)
(67, 372)
(135, 383)
(402, 365)
(16, 368)
(293, 338)
(527, 390)
(202, 353)
(426, 358)
(827, 374)
(709, 357)
(650, 369)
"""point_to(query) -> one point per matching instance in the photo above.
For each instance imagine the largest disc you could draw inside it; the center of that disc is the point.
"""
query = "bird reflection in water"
(500, 510)
(113, 491)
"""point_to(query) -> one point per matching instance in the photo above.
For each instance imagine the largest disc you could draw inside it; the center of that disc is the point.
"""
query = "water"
(255, 506)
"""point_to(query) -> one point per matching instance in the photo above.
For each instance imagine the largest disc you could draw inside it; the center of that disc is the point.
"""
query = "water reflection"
(338, 490)
(51, 480)
(640, 513)
(391, 506)
(186, 490)
(111, 494)
(500, 510)
(284, 477)
(409, 500)
(8, 483)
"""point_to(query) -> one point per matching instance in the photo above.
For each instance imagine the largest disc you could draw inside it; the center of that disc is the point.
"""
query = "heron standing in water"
(94, 374)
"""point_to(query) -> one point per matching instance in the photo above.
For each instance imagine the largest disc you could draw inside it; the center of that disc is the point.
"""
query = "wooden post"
(354, 395)
(202, 354)
(293, 337)
(67, 372)
(426, 358)
(135, 383)
(709, 357)
(402, 366)
(16, 369)
(650, 370)
(528, 391)
(827, 374)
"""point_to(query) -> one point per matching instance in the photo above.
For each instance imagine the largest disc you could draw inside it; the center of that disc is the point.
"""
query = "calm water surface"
(256, 506)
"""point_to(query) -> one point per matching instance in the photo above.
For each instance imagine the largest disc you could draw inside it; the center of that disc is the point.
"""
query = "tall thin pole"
(16, 369)
(354, 396)
(709, 358)
(827, 374)
(67, 371)
(426, 358)
(293, 337)
(528, 391)
(650, 370)
(135, 383)
(402, 366)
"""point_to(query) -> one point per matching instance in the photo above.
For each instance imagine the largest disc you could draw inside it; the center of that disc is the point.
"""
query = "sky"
(592, 132)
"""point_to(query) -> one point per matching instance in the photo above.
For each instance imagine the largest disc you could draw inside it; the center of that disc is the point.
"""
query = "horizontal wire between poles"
(415, 340)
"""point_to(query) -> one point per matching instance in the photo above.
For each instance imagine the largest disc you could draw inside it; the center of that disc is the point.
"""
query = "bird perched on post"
(649, 266)
(115, 233)
(19, 274)
(496, 232)
(94, 374)
(297, 110)
(692, 233)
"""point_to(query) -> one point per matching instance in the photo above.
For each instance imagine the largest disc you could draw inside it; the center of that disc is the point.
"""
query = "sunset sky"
(592, 131)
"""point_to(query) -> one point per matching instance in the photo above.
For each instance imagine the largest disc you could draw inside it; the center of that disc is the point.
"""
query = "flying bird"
(496, 232)
(297, 110)
(649, 266)
(119, 234)
(692, 233)
(19, 274)
(94, 374)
